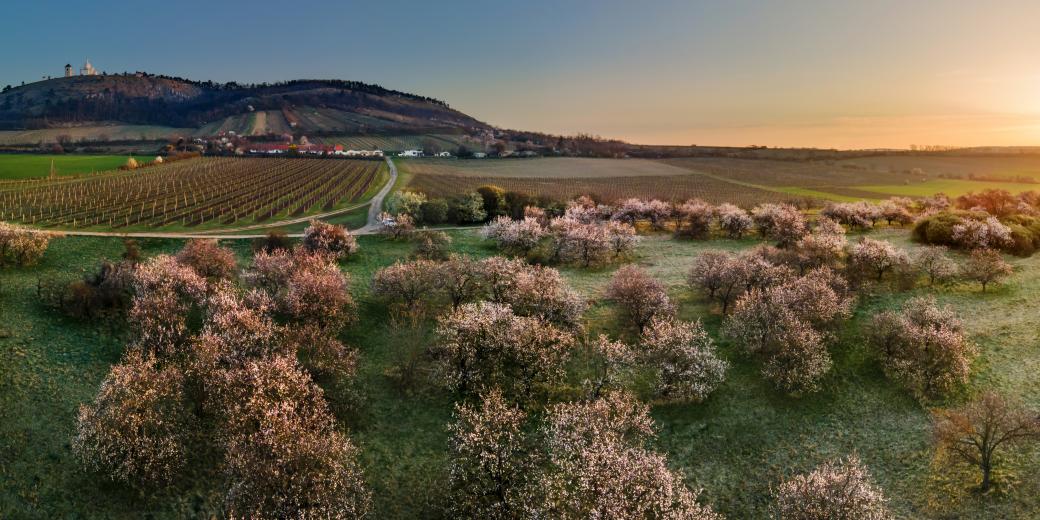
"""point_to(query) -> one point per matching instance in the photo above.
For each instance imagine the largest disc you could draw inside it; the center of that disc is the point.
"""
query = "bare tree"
(979, 431)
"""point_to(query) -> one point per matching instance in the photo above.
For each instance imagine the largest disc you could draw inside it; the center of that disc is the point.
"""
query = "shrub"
(598, 466)
(166, 292)
(431, 245)
(981, 234)
(782, 223)
(20, 246)
(136, 430)
(494, 200)
(484, 345)
(406, 286)
(407, 202)
(489, 461)
(693, 219)
(608, 361)
(208, 259)
(329, 239)
(460, 278)
(274, 241)
(434, 212)
(733, 220)
(285, 458)
(683, 356)
(586, 244)
(986, 267)
(468, 209)
(514, 236)
(108, 290)
(839, 489)
(639, 297)
(923, 347)
(935, 264)
(396, 226)
(1000, 203)
(874, 258)
(533, 291)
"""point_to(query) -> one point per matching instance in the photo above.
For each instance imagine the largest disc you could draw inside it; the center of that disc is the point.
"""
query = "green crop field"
(26, 166)
(736, 446)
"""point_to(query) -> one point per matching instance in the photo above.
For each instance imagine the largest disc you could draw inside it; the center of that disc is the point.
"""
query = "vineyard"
(674, 187)
(199, 192)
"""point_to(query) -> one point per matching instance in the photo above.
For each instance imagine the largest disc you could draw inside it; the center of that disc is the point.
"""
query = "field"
(742, 181)
(735, 446)
(447, 142)
(25, 166)
(190, 193)
(565, 178)
(92, 133)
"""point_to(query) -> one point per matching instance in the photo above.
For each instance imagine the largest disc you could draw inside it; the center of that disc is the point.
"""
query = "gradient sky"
(834, 73)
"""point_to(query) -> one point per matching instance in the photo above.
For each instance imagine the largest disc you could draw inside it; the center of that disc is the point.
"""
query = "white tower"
(68, 70)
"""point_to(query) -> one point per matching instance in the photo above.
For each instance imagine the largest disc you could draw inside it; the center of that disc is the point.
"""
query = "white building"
(88, 70)
(411, 153)
(361, 153)
(444, 154)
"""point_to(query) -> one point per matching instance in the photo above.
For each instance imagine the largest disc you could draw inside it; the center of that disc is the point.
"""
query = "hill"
(98, 108)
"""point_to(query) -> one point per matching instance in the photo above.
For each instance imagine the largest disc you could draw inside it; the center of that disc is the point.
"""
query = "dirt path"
(376, 204)
(259, 123)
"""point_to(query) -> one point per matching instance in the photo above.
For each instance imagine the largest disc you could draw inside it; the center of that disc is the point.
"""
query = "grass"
(736, 445)
(27, 166)
(951, 187)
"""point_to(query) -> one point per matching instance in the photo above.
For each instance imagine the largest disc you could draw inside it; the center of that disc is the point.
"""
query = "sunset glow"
(816, 73)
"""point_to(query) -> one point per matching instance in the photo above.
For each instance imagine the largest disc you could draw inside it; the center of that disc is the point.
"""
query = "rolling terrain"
(96, 109)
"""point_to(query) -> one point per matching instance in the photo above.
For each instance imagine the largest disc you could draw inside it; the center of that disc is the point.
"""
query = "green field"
(26, 166)
(951, 187)
(735, 446)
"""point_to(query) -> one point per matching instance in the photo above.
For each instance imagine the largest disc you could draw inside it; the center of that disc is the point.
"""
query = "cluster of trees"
(563, 239)
(420, 286)
(21, 246)
(789, 324)
(225, 363)
(864, 215)
(992, 219)
(417, 208)
(783, 304)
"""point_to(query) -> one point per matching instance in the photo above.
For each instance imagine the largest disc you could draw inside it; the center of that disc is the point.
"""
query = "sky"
(828, 73)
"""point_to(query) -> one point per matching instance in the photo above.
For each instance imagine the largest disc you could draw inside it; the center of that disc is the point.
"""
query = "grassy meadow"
(31, 166)
(736, 445)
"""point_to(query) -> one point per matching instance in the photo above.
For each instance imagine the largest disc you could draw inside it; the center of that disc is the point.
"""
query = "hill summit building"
(86, 70)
